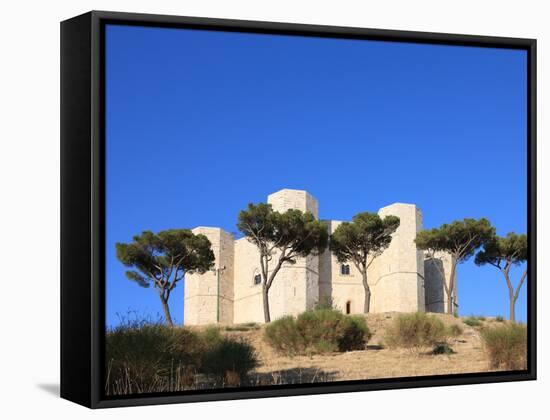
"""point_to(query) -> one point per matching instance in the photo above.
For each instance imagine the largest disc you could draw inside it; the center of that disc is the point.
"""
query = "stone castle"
(401, 279)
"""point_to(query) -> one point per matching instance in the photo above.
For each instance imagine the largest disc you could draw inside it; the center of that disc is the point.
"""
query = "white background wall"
(29, 209)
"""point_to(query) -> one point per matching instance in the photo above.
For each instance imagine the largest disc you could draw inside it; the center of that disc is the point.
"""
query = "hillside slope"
(376, 361)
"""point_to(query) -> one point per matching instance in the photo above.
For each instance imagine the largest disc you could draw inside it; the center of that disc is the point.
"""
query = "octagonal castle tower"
(396, 278)
(400, 279)
(296, 287)
(208, 297)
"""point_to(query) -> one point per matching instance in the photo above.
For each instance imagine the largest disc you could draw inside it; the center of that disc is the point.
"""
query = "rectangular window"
(258, 279)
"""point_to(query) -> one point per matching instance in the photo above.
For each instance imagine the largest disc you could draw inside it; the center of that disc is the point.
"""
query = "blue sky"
(200, 123)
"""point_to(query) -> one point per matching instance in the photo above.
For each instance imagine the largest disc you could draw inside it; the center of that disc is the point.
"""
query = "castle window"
(348, 307)
(344, 269)
(258, 279)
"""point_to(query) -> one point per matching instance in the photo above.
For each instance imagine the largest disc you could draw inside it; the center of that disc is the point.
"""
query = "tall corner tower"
(397, 276)
(286, 199)
(341, 282)
(436, 271)
(208, 297)
(296, 286)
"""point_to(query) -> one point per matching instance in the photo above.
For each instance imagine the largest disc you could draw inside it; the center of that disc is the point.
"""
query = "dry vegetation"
(442, 344)
(378, 360)
(317, 332)
(506, 346)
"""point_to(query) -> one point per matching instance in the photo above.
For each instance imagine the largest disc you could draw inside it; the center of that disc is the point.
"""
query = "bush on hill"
(151, 357)
(416, 330)
(506, 346)
(317, 331)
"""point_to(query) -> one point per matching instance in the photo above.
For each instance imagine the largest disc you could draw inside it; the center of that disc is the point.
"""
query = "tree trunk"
(267, 317)
(450, 303)
(366, 307)
(367, 300)
(451, 290)
(511, 295)
(512, 309)
(166, 309)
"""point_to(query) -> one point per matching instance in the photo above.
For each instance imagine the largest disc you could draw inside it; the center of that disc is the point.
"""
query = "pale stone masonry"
(401, 279)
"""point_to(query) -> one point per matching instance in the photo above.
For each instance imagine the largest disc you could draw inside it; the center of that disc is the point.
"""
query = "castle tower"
(286, 199)
(342, 283)
(396, 277)
(209, 296)
(434, 269)
(296, 287)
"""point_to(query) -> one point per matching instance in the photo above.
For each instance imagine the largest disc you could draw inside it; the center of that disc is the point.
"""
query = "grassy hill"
(376, 361)
(144, 357)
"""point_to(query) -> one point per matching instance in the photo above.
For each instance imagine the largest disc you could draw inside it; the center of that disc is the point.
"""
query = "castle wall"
(436, 298)
(227, 260)
(248, 296)
(400, 279)
(397, 276)
(201, 290)
(295, 288)
(341, 288)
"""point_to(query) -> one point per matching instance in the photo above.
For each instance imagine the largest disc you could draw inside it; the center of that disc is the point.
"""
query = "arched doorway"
(348, 307)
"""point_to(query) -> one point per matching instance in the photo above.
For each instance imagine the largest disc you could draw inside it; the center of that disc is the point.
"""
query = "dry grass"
(416, 331)
(144, 358)
(506, 345)
(377, 361)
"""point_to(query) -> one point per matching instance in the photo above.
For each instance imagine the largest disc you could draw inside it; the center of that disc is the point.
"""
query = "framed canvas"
(257, 209)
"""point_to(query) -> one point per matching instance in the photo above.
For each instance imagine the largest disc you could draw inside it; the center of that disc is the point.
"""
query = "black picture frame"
(83, 212)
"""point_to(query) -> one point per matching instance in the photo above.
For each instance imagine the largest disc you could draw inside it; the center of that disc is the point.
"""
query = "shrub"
(473, 321)
(415, 331)
(355, 333)
(249, 326)
(442, 348)
(499, 318)
(227, 355)
(142, 357)
(317, 331)
(150, 357)
(506, 346)
(326, 330)
(211, 337)
(283, 336)
(455, 330)
(153, 343)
